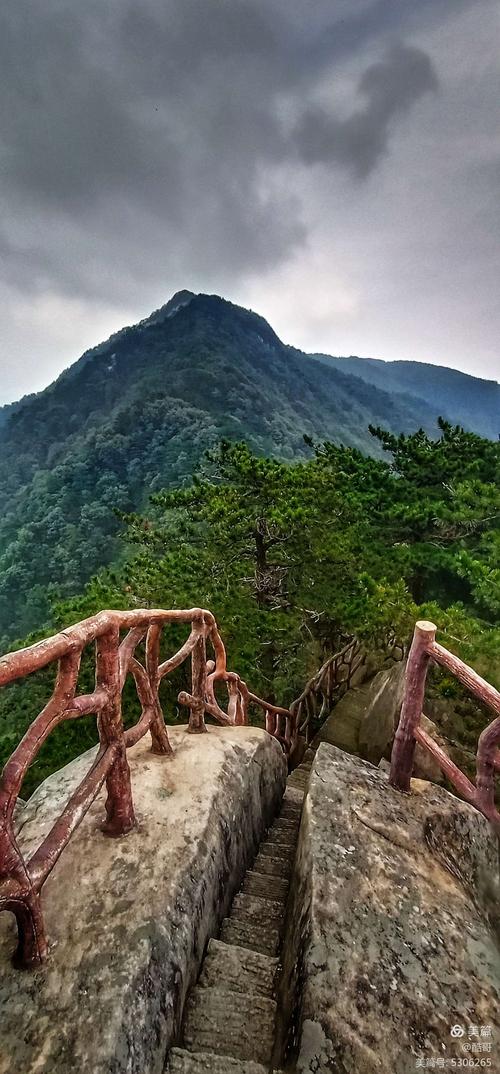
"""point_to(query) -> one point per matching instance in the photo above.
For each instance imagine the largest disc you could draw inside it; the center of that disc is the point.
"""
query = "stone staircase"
(230, 1017)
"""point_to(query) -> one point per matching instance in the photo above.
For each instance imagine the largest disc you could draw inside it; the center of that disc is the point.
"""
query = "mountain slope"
(136, 413)
(463, 399)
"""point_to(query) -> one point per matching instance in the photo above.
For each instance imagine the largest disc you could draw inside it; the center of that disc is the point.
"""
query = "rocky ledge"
(128, 919)
(395, 922)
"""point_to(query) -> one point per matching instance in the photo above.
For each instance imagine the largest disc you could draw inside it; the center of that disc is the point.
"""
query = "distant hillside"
(136, 413)
(10, 408)
(465, 400)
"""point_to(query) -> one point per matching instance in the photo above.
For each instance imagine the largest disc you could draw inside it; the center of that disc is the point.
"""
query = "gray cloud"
(147, 147)
(156, 125)
(170, 110)
(390, 88)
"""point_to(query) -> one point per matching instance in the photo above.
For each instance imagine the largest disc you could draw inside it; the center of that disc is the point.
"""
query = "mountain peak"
(180, 299)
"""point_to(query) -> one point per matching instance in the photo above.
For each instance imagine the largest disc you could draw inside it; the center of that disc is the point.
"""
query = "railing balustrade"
(325, 687)
(481, 793)
(21, 880)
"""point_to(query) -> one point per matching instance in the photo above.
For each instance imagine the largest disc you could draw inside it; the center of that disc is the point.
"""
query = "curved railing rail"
(481, 793)
(332, 680)
(21, 880)
(325, 687)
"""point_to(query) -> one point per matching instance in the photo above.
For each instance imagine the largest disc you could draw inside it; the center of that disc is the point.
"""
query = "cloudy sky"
(333, 164)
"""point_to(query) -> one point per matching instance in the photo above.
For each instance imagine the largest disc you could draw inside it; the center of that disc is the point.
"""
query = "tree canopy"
(295, 557)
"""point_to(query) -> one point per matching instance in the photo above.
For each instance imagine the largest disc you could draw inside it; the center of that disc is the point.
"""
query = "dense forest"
(136, 414)
(294, 556)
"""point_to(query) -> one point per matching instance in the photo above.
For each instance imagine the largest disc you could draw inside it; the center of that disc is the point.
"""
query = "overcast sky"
(333, 164)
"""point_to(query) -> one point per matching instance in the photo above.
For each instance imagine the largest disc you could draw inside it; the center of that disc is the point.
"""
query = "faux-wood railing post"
(18, 895)
(159, 735)
(119, 804)
(485, 770)
(198, 682)
(403, 750)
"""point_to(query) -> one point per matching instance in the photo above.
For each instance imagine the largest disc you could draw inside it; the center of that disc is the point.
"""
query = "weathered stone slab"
(393, 942)
(274, 850)
(266, 887)
(276, 866)
(287, 823)
(229, 1023)
(257, 936)
(292, 809)
(251, 908)
(182, 1062)
(283, 836)
(128, 919)
(239, 970)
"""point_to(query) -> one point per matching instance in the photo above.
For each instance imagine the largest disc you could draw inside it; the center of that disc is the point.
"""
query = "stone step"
(291, 810)
(256, 936)
(309, 756)
(264, 863)
(304, 772)
(239, 969)
(298, 779)
(229, 1023)
(284, 837)
(291, 801)
(302, 768)
(253, 908)
(286, 827)
(294, 795)
(182, 1062)
(282, 824)
(267, 887)
(277, 850)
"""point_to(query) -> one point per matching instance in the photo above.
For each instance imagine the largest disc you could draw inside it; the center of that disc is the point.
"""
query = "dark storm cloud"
(212, 143)
(361, 22)
(161, 123)
(390, 88)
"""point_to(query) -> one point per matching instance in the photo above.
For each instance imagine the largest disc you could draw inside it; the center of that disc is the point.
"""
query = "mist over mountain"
(136, 413)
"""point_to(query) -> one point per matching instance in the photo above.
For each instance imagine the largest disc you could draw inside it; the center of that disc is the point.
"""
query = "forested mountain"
(295, 558)
(470, 401)
(136, 413)
(10, 408)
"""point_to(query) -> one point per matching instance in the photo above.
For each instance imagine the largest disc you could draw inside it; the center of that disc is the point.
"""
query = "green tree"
(293, 558)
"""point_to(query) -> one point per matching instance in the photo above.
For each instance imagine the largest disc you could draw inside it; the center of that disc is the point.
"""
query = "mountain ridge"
(480, 412)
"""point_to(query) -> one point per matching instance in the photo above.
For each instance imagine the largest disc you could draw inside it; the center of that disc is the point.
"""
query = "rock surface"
(342, 727)
(393, 946)
(383, 697)
(128, 919)
(381, 715)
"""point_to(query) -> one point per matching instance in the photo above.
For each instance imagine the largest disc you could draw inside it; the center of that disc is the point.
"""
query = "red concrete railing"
(480, 794)
(21, 880)
(326, 685)
(325, 688)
